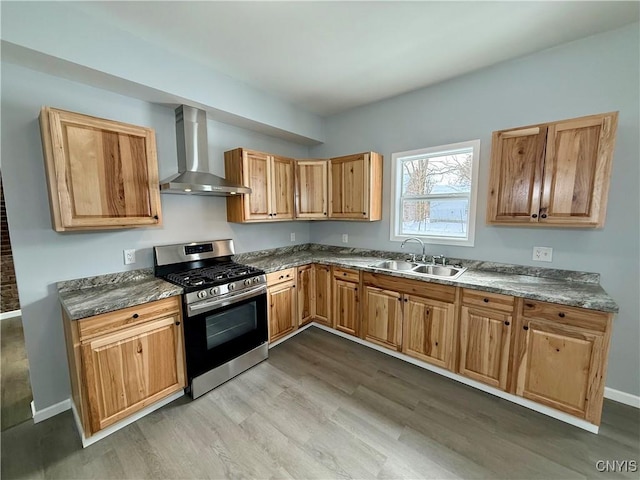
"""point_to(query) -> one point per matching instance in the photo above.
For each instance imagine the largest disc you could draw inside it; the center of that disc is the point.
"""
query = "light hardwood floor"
(325, 407)
(14, 374)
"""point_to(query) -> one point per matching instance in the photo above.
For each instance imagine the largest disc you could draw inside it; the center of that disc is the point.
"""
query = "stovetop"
(211, 276)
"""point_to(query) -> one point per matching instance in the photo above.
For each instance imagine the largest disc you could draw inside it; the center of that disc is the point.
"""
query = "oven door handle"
(223, 302)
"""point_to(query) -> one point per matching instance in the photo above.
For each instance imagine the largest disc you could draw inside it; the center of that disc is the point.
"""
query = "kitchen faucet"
(413, 255)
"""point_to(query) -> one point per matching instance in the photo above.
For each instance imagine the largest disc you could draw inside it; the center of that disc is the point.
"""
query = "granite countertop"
(578, 289)
(90, 296)
(86, 297)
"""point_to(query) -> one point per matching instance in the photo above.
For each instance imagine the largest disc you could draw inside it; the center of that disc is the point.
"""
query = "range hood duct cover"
(193, 177)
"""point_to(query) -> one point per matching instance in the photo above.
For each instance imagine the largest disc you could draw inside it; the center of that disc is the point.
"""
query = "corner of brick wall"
(8, 288)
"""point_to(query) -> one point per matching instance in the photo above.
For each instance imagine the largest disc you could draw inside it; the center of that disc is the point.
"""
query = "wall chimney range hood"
(193, 177)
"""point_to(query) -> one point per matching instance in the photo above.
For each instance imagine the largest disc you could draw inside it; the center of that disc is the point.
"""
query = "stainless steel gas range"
(225, 310)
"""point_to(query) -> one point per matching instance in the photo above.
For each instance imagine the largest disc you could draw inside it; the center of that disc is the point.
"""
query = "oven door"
(214, 337)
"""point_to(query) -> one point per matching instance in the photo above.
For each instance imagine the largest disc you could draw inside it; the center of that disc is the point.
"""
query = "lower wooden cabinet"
(125, 361)
(485, 342)
(345, 302)
(429, 330)
(382, 317)
(323, 294)
(562, 362)
(282, 304)
(306, 294)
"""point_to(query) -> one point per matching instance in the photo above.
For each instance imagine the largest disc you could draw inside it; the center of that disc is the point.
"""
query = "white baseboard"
(12, 314)
(51, 411)
(558, 415)
(622, 397)
(122, 423)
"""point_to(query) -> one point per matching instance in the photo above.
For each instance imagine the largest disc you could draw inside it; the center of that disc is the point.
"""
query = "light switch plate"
(542, 254)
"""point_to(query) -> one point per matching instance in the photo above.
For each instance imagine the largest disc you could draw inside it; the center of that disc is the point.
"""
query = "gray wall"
(43, 257)
(593, 75)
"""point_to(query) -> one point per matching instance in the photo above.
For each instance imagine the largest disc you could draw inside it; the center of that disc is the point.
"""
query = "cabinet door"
(306, 294)
(577, 170)
(283, 310)
(485, 340)
(349, 187)
(517, 159)
(429, 330)
(281, 185)
(345, 307)
(311, 189)
(561, 366)
(256, 170)
(323, 294)
(131, 369)
(101, 174)
(382, 320)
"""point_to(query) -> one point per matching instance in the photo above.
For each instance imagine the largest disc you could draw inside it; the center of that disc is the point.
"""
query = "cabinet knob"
(525, 328)
(156, 217)
(406, 299)
(344, 274)
(281, 277)
(507, 323)
(544, 215)
(364, 213)
(275, 214)
(325, 213)
(486, 300)
(535, 215)
(177, 323)
(135, 315)
(399, 299)
(561, 315)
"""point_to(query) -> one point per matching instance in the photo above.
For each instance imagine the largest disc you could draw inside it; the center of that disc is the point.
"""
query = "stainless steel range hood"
(193, 177)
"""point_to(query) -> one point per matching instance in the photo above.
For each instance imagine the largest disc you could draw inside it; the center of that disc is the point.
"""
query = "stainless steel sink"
(394, 265)
(438, 270)
(419, 269)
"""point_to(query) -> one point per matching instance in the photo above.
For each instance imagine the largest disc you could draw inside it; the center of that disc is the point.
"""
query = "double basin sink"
(427, 270)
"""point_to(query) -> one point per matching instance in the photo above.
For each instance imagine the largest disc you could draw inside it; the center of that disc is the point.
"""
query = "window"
(434, 194)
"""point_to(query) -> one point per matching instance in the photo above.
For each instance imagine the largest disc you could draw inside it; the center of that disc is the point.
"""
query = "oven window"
(235, 322)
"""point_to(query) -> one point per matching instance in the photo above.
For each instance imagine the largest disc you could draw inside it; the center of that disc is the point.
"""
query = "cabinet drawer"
(113, 321)
(346, 274)
(495, 301)
(577, 317)
(285, 275)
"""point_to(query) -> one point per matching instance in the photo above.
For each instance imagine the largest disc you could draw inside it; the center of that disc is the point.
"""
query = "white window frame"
(396, 189)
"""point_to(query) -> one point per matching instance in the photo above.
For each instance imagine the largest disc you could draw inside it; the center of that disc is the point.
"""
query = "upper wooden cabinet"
(101, 174)
(311, 189)
(270, 178)
(554, 174)
(355, 187)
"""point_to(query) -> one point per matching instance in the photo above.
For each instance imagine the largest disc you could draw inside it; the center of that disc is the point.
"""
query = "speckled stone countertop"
(90, 296)
(565, 287)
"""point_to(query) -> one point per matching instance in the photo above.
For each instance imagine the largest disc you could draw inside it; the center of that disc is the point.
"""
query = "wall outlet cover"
(129, 257)
(542, 254)
(293, 236)
(345, 238)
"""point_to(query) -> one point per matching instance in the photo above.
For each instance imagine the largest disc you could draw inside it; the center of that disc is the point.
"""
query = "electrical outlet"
(542, 254)
(345, 238)
(293, 236)
(129, 257)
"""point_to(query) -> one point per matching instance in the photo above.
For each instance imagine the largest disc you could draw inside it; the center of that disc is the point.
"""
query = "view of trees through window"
(435, 194)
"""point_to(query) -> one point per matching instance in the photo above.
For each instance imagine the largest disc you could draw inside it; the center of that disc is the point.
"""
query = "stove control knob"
(247, 282)
(231, 286)
(256, 280)
(202, 294)
(214, 291)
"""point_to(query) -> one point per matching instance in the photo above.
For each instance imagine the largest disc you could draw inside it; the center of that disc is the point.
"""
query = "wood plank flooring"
(14, 376)
(323, 407)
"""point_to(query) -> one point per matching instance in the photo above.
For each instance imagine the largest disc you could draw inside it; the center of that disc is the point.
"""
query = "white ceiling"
(327, 57)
